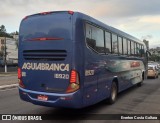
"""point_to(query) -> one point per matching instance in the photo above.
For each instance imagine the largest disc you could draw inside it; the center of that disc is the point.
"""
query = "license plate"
(42, 97)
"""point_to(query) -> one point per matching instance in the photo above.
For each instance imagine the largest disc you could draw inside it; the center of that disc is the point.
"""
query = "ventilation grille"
(45, 55)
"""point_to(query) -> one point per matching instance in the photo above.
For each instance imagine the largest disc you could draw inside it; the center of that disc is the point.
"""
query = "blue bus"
(69, 59)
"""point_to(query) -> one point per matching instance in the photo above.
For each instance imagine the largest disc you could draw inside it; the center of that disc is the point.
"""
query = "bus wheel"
(139, 84)
(113, 93)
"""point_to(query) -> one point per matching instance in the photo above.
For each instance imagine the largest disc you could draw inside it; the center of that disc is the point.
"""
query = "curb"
(8, 86)
(10, 74)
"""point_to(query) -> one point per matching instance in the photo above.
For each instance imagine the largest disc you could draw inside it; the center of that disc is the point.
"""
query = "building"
(11, 49)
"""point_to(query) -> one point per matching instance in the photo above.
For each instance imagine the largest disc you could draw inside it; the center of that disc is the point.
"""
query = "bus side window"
(132, 48)
(125, 46)
(114, 44)
(108, 42)
(120, 45)
(129, 47)
(142, 51)
(95, 38)
(89, 41)
(138, 50)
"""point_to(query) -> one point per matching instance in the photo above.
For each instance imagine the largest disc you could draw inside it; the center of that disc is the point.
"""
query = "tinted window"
(141, 51)
(56, 25)
(124, 46)
(120, 45)
(137, 49)
(132, 48)
(129, 47)
(108, 42)
(95, 38)
(114, 44)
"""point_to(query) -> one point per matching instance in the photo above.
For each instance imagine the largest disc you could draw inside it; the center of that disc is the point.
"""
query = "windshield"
(54, 25)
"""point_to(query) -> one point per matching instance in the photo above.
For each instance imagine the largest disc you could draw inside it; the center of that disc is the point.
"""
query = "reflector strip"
(43, 39)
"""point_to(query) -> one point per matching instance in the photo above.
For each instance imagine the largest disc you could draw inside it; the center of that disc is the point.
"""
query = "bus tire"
(113, 93)
(139, 84)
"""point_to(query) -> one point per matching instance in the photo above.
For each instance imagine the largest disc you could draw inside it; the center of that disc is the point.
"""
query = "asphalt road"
(136, 100)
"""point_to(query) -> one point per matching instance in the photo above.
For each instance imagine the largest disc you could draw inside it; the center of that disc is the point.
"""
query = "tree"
(154, 58)
(16, 33)
(3, 32)
(2, 29)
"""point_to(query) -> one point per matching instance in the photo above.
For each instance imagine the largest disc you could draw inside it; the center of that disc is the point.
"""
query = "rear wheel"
(113, 93)
(139, 84)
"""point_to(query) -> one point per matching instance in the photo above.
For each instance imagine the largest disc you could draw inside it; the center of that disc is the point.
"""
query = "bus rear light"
(20, 78)
(45, 13)
(25, 18)
(74, 82)
(72, 87)
(19, 73)
(70, 12)
(73, 77)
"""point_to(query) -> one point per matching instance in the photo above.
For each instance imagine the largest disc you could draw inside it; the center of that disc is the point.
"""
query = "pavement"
(8, 74)
(8, 80)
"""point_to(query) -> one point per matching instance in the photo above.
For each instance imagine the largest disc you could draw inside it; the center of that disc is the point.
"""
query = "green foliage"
(154, 57)
(3, 32)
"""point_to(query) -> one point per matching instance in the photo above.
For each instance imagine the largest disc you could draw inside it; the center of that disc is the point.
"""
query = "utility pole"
(5, 56)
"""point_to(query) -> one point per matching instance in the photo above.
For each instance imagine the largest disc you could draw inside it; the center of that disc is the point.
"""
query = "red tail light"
(25, 18)
(20, 78)
(74, 82)
(73, 76)
(19, 73)
(70, 12)
(45, 13)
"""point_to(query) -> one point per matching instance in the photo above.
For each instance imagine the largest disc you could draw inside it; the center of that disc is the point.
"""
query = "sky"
(139, 18)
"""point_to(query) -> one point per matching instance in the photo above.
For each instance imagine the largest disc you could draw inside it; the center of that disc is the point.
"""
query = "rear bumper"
(70, 100)
(151, 74)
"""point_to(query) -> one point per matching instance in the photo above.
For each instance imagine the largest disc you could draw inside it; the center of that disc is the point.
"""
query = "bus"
(71, 60)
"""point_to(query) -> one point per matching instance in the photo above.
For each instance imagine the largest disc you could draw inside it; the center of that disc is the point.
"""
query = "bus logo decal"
(45, 66)
(135, 64)
(89, 72)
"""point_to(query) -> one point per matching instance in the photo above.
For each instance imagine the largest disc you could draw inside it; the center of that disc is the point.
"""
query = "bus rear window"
(50, 26)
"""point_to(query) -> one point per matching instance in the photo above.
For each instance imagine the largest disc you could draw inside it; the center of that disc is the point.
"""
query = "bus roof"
(94, 21)
(110, 28)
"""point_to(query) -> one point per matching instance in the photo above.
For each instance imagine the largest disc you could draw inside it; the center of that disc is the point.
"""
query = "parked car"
(156, 64)
(152, 71)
